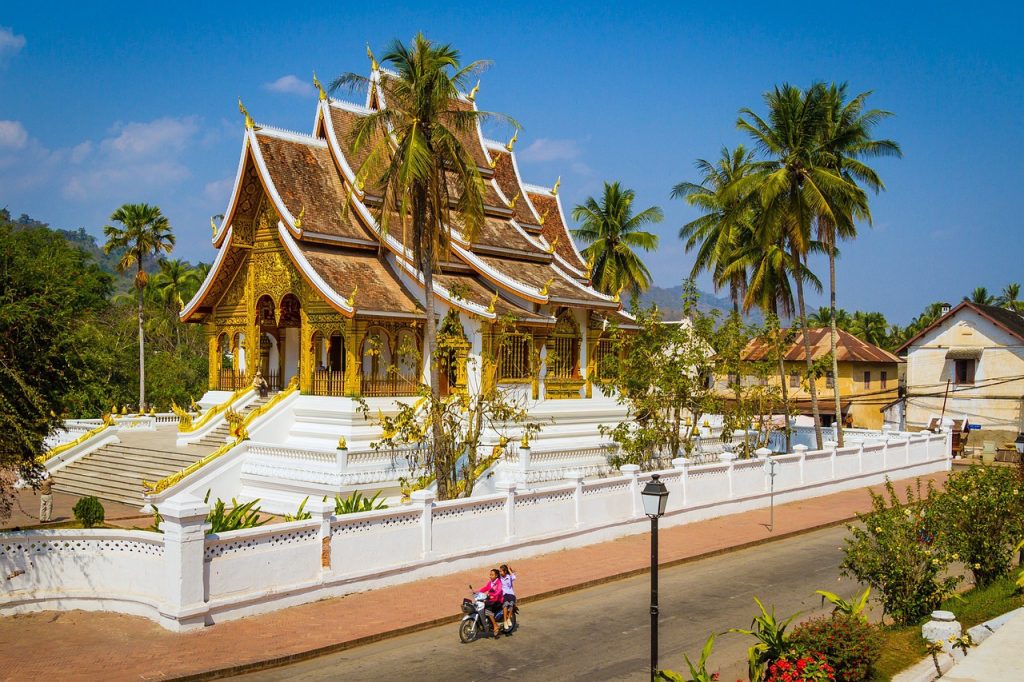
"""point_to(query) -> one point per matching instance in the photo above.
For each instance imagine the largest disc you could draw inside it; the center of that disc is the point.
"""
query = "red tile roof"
(848, 348)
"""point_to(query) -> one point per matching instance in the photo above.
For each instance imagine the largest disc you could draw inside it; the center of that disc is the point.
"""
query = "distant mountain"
(670, 302)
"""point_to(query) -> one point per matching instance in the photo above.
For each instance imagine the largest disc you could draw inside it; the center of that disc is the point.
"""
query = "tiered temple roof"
(522, 259)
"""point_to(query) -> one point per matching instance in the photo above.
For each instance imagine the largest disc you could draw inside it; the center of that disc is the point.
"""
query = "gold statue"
(512, 142)
(525, 442)
(374, 66)
(352, 297)
(494, 299)
(342, 443)
(245, 112)
(554, 190)
(544, 291)
(472, 93)
(320, 88)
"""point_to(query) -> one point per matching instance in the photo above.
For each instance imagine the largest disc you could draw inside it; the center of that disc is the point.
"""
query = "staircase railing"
(240, 434)
(64, 447)
(186, 424)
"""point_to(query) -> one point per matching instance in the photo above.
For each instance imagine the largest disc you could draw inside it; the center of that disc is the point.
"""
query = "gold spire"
(320, 88)
(373, 60)
(512, 142)
(553, 244)
(245, 112)
(494, 299)
(544, 291)
(512, 204)
(298, 218)
(472, 93)
(554, 190)
(352, 297)
(544, 216)
(213, 225)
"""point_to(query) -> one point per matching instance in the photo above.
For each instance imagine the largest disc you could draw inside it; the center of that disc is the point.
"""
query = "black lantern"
(655, 497)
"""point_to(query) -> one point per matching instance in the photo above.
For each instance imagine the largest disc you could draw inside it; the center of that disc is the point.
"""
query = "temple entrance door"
(270, 359)
(289, 321)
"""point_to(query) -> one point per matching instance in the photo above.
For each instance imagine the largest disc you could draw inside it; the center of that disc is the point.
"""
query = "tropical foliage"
(239, 516)
(357, 502)
(89, 512)
(849, 643)
(772, 642)
(611, 234)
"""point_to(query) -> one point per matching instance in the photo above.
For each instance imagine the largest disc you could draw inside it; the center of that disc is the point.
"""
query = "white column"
(860, 458)
(885, 456)
(425, 500)
(730, 459)
(633, 471)
(576, 478)
(683, 464)
(802, 451)
(509, 488)
(184, 526)
(831, 445)
(763, 454)
(524, 465)
(322, 511)
(341, 459)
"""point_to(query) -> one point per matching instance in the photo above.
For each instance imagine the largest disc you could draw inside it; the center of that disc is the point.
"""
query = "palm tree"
(427, 179)
(981, 296)
(794, 185)
(870, 327)
(175, 284)
(715, 233)
(1009, 299)
(144, 232)
(846, 140)
(612, 234)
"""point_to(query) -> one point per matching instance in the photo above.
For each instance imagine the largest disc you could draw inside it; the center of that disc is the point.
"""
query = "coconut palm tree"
(715, 233)
(427, 179)
(847, 139)
(144, 232)
(870, 327)
(794, 186)
(981, 296)
(173, 285)
(612, 233)
(1010, 297)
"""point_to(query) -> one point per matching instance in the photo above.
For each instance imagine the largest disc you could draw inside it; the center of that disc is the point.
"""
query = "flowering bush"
(848, 643)
(893, 551)
(981, 515)
(794, 668)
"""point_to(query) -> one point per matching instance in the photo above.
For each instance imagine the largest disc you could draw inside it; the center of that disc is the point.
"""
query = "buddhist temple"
(306, 286)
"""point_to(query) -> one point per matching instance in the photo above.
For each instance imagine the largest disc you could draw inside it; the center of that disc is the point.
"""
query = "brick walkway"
(105, 646)
(26, 512)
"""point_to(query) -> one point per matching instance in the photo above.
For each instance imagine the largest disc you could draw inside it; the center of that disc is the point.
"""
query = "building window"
(965, 371)
(830, 380)
(885, 380)
(867, 379)
(734, 379)
(794, 380)
(514, 357)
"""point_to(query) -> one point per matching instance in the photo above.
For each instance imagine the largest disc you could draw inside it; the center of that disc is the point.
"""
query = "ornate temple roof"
(521, 259)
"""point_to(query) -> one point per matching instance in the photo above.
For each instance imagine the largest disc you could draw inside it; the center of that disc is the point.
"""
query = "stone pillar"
(576, 478)
(885, 455)
(683, 464)
(524, 465)
(802, 451)
(509, 488)
(633, 471)
(730, 459)
(184, 526)
(341, 457)
(425, 500)
(322, 511)
(763, 454)
(860, 458)
(942, 626)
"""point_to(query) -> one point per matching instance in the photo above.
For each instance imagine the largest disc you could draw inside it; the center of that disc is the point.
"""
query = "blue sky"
(101, 105)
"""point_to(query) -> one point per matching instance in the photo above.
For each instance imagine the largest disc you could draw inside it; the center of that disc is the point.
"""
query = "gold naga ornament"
(245, 112)
(494, 299)
(512, 204)
(544, 290)
(512, 142)
(472, 93)
(544, 216)
(554, 190)
(320, 88)
(298, 219)
(373, 60)
(553, 244)
(352, 297)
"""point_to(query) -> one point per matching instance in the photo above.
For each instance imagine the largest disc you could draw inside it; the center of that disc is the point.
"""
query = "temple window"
(602, 356)
(328, 364)
(563, 359)
(514, 357)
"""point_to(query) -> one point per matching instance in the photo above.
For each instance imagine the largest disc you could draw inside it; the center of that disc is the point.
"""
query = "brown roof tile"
(473, 290)
(554, 229)
(539, 274)
(508, 181)
(848, 348)
(379, 290)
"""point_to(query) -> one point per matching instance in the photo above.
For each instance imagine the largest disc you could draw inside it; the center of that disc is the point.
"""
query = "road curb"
(338, 647)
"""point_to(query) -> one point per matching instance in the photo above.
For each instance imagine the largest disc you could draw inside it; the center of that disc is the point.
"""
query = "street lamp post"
(655, 499)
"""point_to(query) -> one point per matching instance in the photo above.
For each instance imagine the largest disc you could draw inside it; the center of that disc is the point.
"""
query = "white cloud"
(548, 149)
(218, 190)
(12, 134)
(10, 44)
(290, 85)
(160, 137)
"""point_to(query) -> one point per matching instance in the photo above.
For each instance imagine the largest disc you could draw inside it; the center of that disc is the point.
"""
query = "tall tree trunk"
(835, 360)
(783, 380)
(442, 467)
(807, 349)
(142, 354)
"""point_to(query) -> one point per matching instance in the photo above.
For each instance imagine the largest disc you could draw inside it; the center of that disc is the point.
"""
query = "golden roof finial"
(512, 142)
(298, 219)
(544, 290)
(493, 162)
(494, 299)
(213, 225)
(245, 112)
(553, 244)
(342, 443)
(373, 60)
(472, 93)
(512, 204)
(618, 295)
(544, 216)
(352, 297)
(319, 87)
(554, 190)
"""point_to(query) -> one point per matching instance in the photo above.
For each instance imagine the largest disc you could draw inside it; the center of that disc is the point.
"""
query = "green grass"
(904, 646)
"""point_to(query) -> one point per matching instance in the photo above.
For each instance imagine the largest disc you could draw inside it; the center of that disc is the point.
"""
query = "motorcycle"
(477, 621)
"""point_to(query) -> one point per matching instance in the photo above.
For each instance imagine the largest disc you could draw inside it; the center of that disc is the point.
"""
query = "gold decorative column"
(214, 360)
(354, 332)
(539, 342)
(306, 361)
(592, 341)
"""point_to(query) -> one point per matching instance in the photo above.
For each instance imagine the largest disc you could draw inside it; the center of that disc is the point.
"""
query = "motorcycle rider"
(495, 597)
(508, 580)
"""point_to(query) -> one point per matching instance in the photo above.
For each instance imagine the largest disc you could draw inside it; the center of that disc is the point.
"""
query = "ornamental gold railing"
(187, 425)
(64, 447)
(239, 431)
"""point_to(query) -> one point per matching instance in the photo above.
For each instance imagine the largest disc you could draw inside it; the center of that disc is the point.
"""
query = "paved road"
(602, 633)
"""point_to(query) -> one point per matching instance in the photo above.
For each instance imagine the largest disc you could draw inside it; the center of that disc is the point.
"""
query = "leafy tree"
(144, 232)
(981, 296)
(425, 175)
(611, 232)
(1010, 297)
(717, 233)
(870, 327)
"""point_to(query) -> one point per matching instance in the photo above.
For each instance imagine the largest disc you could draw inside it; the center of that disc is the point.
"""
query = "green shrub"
(848, 643)
(894, 553)
(238, 517)
(772, 641)
(89, 512)
(698, 671)
(981, 515)
(357, 503)
(300, 514)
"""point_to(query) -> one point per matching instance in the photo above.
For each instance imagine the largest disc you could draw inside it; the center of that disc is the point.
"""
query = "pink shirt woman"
(493, 588)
